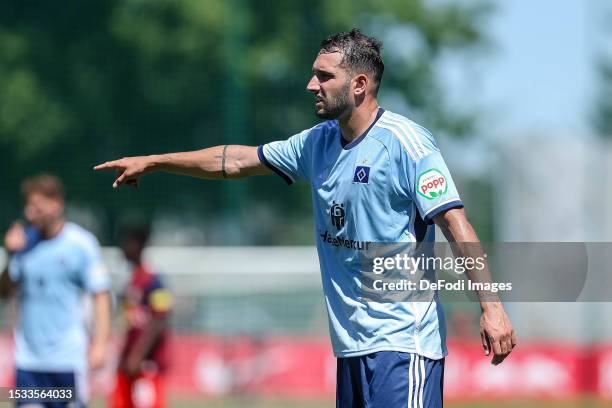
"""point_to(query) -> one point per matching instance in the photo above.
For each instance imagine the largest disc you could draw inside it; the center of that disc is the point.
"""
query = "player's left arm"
(96, 282)
(496, 330)
(101, 329)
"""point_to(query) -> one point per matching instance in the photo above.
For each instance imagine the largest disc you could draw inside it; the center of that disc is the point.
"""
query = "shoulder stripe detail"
(409, 130)
(403, 140)
(403, 132)
(411, 127)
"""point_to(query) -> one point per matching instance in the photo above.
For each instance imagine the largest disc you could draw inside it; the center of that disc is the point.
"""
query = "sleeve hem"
(262, 159)
(428, 218)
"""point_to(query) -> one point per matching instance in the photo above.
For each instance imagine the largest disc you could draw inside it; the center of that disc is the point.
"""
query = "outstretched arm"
(229, 161)
(496, 330)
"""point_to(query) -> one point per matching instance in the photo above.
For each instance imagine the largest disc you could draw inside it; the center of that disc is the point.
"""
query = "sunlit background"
(518, 94)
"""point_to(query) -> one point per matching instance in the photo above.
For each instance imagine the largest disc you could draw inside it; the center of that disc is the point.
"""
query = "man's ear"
(361, 84)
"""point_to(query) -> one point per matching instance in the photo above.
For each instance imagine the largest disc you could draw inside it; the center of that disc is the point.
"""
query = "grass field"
(249, 403)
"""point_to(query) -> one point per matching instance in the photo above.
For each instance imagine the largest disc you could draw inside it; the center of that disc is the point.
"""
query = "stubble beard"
(336, 105)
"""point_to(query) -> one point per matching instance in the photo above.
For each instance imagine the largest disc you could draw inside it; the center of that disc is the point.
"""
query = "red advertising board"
(213, 366)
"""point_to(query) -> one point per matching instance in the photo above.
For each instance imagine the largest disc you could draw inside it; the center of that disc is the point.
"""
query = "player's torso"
(51, 314)
(354, 199)
(136, 308)
(139, 302)
(50, 271)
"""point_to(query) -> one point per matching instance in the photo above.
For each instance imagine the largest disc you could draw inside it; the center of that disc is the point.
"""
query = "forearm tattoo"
(223, 157)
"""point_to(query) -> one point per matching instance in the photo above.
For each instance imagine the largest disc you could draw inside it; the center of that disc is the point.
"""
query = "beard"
(334, 105)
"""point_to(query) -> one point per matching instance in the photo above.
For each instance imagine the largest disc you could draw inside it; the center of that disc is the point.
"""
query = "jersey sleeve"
(94, 275)
(158, 297)
(288, 158)
(424, 176)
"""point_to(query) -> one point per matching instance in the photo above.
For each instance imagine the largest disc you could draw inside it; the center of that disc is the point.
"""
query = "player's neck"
(53, 229)
(359, 120)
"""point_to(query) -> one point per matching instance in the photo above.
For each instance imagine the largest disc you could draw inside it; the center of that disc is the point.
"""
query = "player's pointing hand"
(128, 169)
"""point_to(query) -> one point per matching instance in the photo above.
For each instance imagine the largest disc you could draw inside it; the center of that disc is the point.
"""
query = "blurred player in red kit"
(147, 305)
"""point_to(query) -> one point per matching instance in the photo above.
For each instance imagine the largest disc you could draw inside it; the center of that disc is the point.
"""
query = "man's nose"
(313, 85)
(29, 214)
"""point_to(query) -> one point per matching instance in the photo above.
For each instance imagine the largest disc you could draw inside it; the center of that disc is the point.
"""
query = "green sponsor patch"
(432, 184)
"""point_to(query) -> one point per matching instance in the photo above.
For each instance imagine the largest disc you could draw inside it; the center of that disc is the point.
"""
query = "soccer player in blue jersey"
(376, 177)
(53, 263)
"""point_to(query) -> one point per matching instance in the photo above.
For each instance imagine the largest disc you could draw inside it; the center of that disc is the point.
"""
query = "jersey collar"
(349, 145)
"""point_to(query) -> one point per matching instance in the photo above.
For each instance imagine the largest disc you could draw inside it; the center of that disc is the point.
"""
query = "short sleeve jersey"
(53, 275)
(383, 187)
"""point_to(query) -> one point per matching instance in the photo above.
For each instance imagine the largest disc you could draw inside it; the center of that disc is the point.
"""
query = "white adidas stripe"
(408, 131)
(416, 378)
(400, 137)
(417, 384)
(422, 382)
(410, 405)
(404, 136)
(411, 128)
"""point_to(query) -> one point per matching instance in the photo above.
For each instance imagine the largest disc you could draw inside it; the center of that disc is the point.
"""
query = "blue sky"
(539, 76)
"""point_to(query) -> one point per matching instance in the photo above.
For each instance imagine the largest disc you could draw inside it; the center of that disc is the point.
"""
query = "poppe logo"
(432, 184)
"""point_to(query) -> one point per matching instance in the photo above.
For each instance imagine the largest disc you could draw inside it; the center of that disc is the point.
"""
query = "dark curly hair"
(360, 53)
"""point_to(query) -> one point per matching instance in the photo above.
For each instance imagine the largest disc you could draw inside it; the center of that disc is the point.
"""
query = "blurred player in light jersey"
(147, 304)
(376, 177)
(53, 264)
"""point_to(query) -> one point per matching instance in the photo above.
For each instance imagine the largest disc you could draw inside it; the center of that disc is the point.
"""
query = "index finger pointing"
(107, 165)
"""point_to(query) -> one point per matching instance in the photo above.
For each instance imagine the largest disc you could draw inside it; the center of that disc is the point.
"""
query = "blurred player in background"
(147, 304)
(52, 264)
(376, 176)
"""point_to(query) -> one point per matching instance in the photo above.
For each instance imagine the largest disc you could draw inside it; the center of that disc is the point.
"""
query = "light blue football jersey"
(53, 276)
(383, 187)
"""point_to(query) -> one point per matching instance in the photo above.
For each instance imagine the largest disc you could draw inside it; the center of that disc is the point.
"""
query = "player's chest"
(48, 266)
(135, 295)
(359, 174)
(137, 314)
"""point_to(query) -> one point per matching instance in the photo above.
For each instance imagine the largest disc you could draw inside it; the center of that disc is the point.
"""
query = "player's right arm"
(219, 162)
(14, 241)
